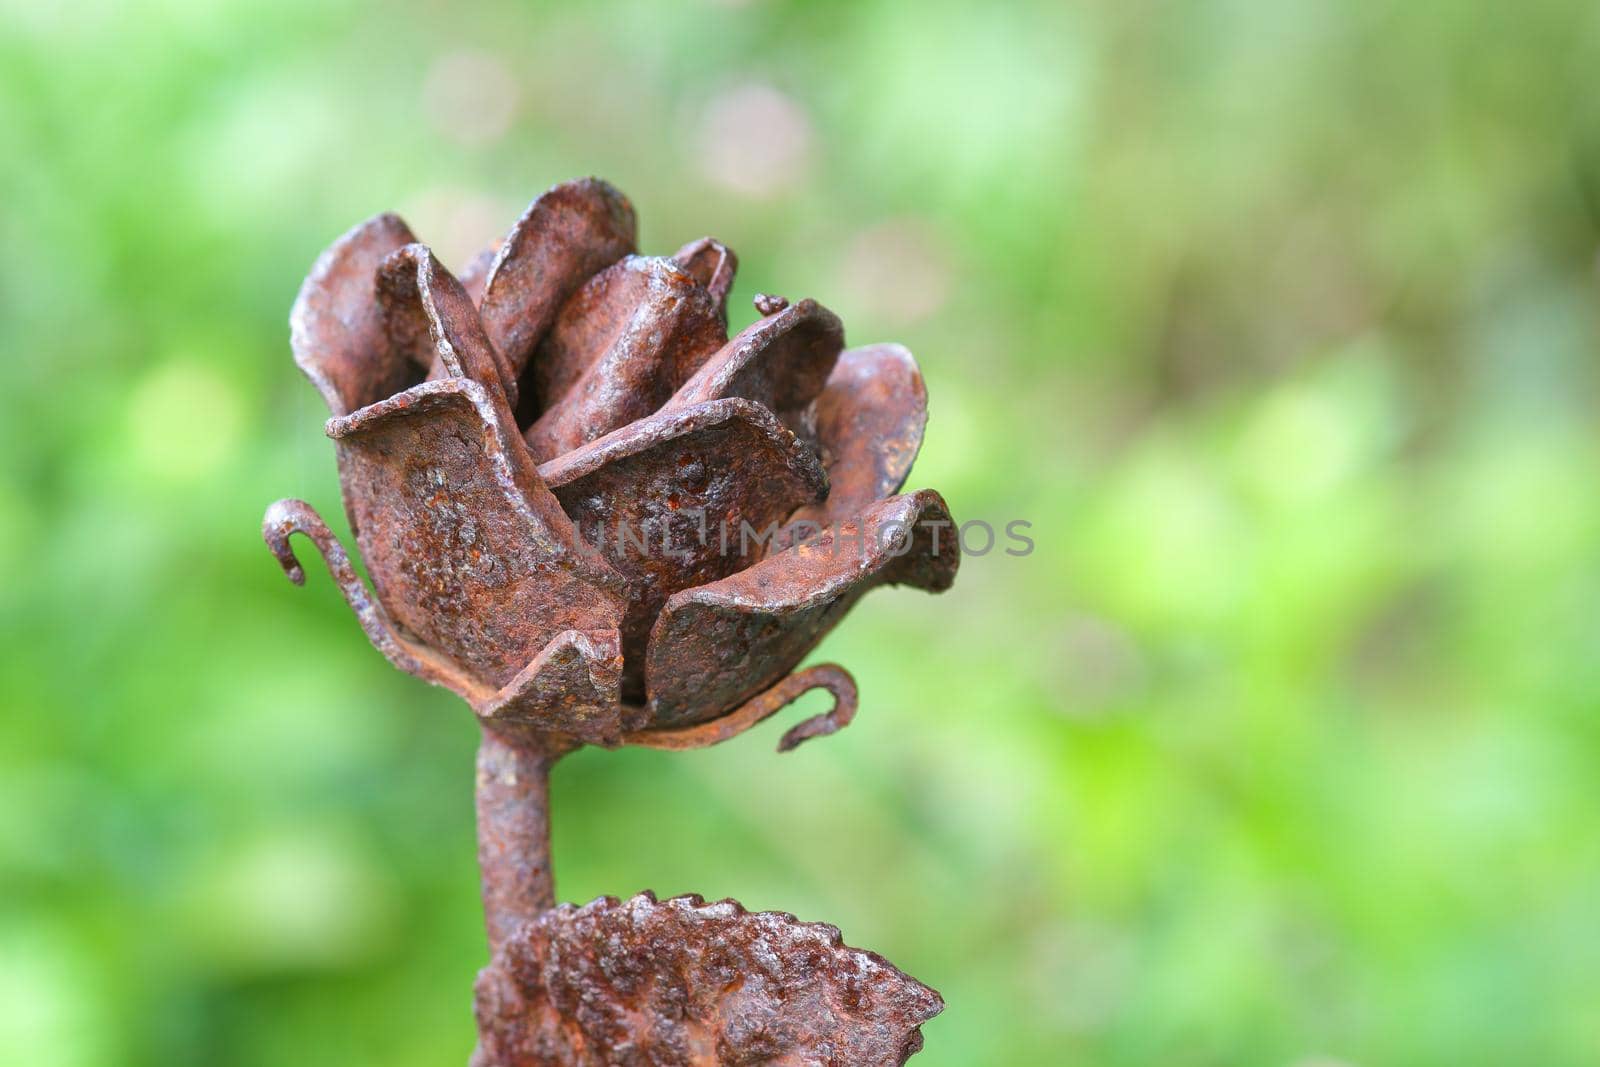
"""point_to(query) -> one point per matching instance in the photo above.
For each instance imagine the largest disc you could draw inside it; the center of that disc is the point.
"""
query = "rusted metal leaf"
(336, 329)
(715, 644)
(780, 362)
(713, 265)
(653, 348)
(683, 983)
(574, 230)
(670, 496)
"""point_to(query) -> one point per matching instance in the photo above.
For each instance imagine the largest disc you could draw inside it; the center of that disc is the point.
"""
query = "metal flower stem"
(513, 790)
(513, 802)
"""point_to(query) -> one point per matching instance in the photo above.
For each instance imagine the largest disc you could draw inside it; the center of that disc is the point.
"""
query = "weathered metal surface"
(569, 692)
(285, 518)
(576, 393)
(429, 316)
(714, 644)
(683, 983)
(868, 421)
(574, 230)
(654, 347)
(587, 326)
(467, 548)
(336, 327)
(769, 303)
(669, 496)
(513, 809)
(758, 709)
(478, 567)
(780, 362)
(713, 265)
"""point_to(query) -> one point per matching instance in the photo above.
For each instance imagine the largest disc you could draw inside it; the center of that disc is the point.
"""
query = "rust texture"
(647, 983)
(669, 325)
(513, 802)
(671, 478)
(830, 676)
(600, 520)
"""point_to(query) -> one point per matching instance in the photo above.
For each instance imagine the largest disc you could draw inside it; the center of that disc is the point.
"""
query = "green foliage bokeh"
(1277, 320)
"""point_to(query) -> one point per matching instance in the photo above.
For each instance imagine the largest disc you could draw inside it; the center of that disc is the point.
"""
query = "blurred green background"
(1277, 319)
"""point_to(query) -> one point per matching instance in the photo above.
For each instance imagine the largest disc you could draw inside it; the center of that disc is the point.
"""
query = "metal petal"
(586, 326)
(869, 421)
(780, 362)
(684, 982)
(713, 265)
(336, 329)
(569, 688)
(716, 644)
(670, 496)
(662, 325)
(574, 230)
(467, 548)
(428, 315)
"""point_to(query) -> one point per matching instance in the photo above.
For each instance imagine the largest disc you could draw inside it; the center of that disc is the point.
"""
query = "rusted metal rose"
(594, 568)
(588, 511)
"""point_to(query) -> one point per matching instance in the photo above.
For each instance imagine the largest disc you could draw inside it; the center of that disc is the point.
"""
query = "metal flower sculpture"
(599, 520)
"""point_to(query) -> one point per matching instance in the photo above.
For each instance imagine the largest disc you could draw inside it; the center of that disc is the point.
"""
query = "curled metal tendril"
(830, 676)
